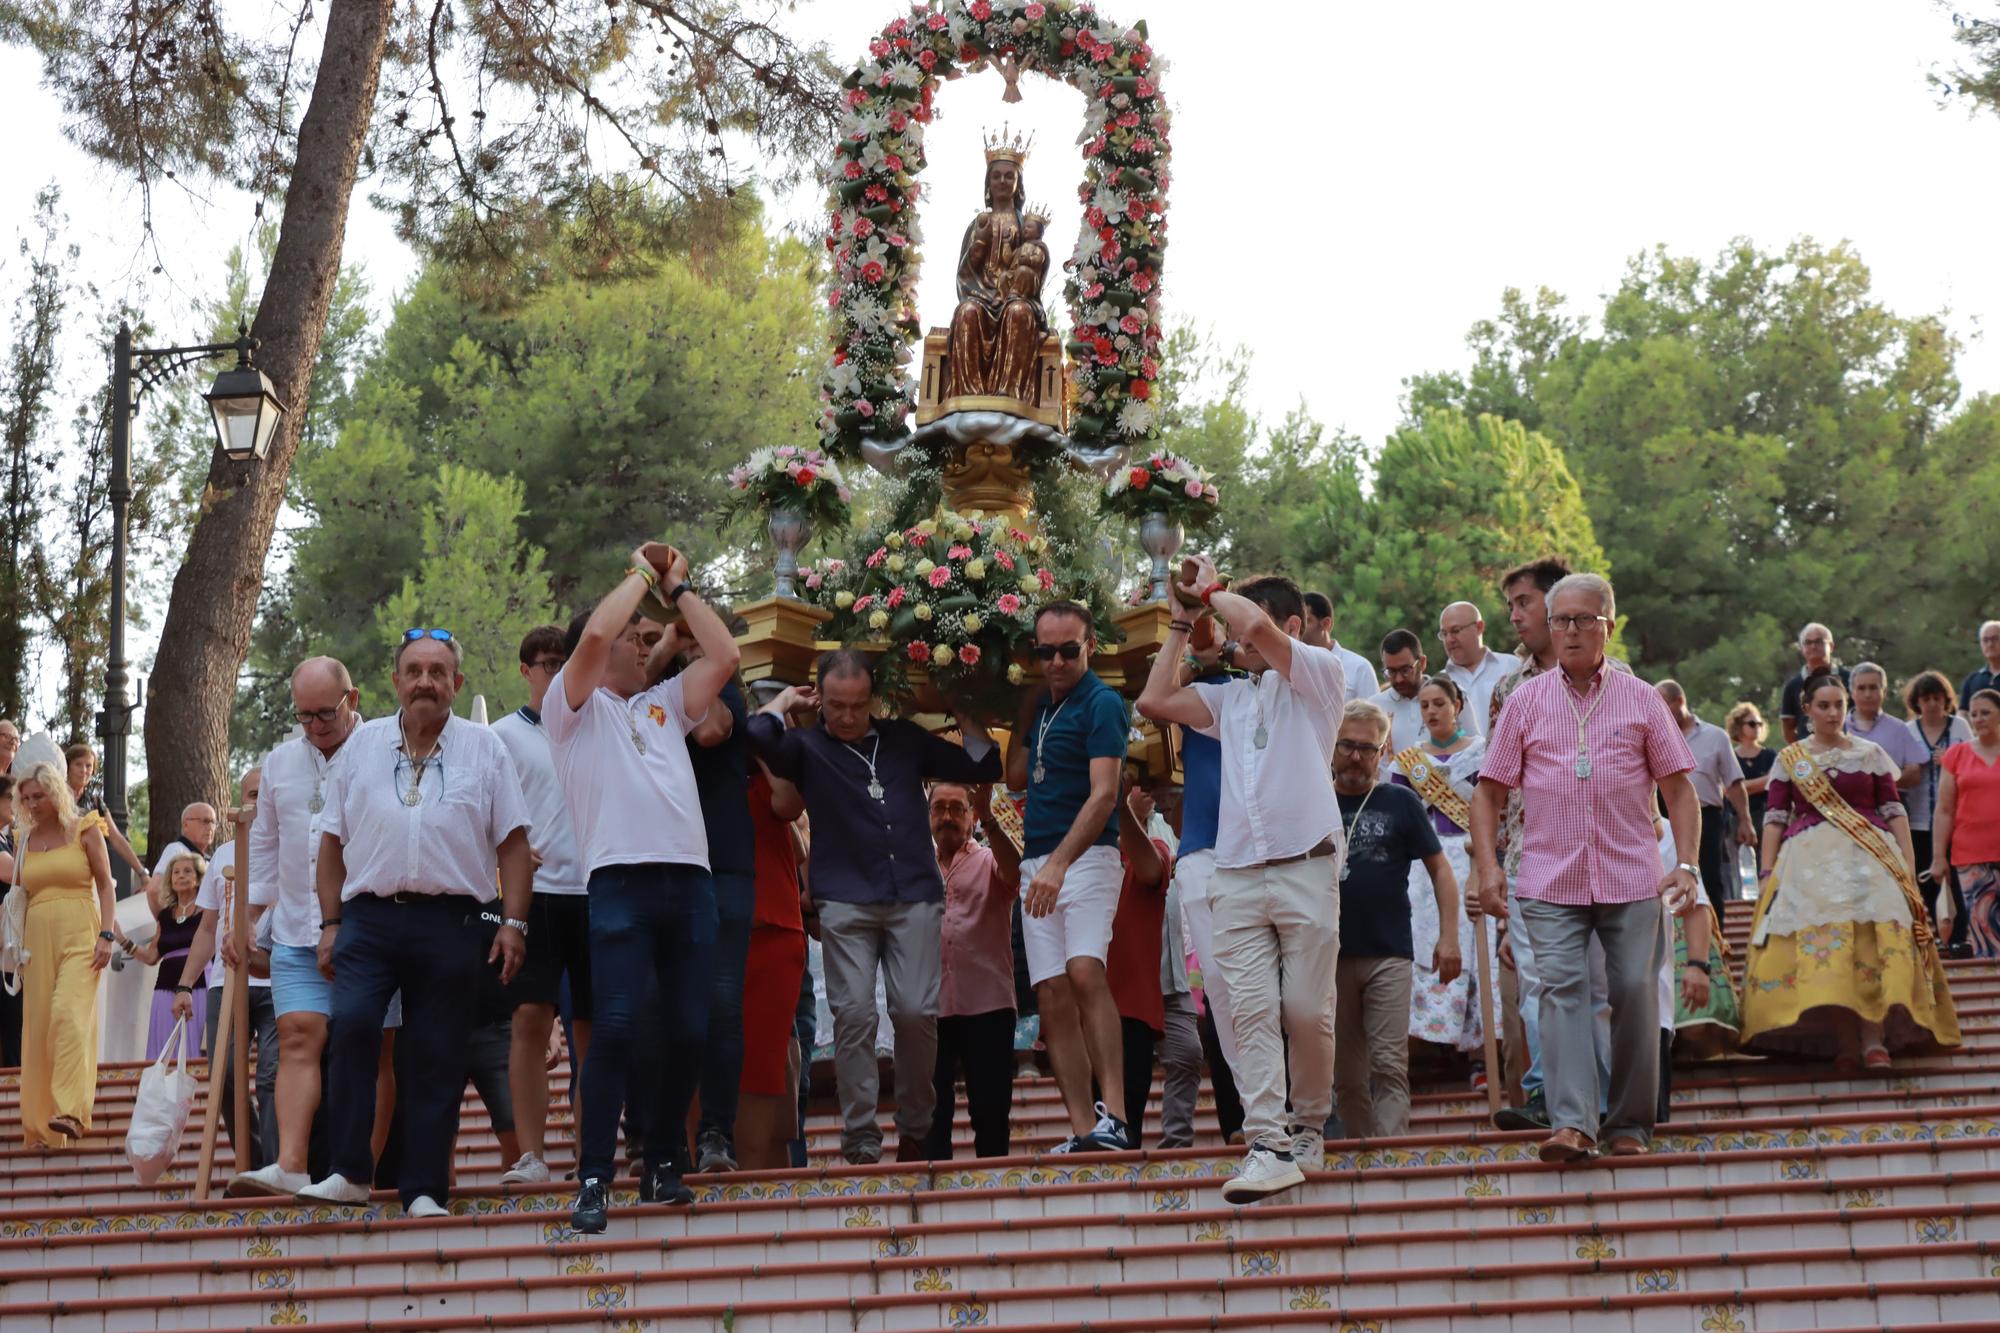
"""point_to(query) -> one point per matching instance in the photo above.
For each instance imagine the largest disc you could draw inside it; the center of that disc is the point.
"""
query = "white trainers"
(1308, 1150)
(530, 1170)
(425, 1206)
(1265, 1171)
(267, 1180)
(336, 1188)
(1109, 1135)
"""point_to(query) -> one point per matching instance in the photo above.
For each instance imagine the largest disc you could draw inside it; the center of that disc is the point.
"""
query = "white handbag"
(160, 1111)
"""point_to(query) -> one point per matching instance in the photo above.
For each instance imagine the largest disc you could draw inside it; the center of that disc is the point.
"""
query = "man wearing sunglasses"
(423, 816)
(1069, 747)
(284, 845)
(1274, 898)
(620, 743)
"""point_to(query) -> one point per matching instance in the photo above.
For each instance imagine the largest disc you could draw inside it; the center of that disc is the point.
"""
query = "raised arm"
(1006, 856)
(1201, 585)
(702, 682)
(584, 671)
(1137, 846)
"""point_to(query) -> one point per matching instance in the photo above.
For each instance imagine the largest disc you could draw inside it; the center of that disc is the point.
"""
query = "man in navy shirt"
(1068, 748)
(874, 878)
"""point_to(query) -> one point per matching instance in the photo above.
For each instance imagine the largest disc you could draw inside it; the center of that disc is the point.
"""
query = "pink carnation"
(1002, 559)
(1008, 603)
(863, 602)
(969, 654)
(939, 576)
(959, 553)
(916, 536)
(1046, 579)
(895, 598)
(877, 556)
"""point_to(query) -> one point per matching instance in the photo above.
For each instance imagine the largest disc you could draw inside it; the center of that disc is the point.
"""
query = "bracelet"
(1183, 626)
(1210, 591)
(183, 990)
(1699, 965)
(517, 924)
(326, 921)
(680, 589)
(647, 576)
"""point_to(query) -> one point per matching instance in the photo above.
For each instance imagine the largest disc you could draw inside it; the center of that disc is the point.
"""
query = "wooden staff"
(1495, 1076)
(232, 1029)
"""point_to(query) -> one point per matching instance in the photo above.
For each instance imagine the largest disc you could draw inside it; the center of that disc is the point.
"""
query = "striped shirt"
(1586, 839)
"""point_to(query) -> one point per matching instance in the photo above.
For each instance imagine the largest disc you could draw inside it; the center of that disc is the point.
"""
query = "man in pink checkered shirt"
(1587, 745)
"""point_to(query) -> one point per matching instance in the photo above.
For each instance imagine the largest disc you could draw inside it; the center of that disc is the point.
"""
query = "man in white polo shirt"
(621, 754)
(558, 915)
(1275, 896)
(422, 815)
(284, 843)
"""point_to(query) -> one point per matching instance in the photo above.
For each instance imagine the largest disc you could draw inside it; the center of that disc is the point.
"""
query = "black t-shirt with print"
(1387, 830)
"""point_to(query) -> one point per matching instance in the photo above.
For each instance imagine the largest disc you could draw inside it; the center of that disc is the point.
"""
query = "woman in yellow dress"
(1842, 961)
(66, 871)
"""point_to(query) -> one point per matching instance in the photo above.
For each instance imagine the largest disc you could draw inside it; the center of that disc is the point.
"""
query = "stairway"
(1779, 1198)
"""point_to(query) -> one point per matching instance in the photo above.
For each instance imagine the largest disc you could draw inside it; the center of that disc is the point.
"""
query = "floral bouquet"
(1162, 483)
(790, 479)
(955, 594)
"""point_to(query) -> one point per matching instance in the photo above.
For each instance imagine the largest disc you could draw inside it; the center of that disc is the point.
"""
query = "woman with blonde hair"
(61, 862)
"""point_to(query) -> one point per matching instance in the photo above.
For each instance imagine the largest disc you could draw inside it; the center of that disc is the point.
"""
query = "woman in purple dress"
(178, 920)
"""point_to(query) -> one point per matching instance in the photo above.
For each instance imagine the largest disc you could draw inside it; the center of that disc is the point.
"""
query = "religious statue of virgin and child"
(998, 327)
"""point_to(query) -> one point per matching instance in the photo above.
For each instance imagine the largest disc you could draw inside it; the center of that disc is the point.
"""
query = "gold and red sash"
(1795, 764)
(1427, 774)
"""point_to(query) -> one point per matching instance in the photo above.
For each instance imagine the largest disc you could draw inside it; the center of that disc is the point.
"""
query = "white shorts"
(1080, 926)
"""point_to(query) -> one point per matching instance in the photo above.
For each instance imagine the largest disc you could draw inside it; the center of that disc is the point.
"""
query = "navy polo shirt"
(1089, 723)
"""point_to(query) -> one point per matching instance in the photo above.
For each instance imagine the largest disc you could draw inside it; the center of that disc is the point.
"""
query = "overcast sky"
(1354, 184)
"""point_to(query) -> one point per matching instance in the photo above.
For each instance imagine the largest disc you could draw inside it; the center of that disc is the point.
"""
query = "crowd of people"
(630, 868)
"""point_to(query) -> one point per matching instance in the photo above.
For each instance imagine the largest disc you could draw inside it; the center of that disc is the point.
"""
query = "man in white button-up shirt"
(284, 841)
(423, 813)
(1274, 899)
(1468, 661)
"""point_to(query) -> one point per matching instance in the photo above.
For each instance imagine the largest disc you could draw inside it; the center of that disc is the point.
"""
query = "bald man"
(197, 835)
(1477, 669)
(1816, 650)
(284, 842)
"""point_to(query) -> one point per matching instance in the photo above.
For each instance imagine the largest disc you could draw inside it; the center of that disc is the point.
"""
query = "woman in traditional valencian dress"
(1443, 769)
(1842, 959)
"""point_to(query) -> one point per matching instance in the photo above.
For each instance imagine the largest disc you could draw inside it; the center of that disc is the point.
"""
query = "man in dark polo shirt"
(719, 749)
(1069, 746)
(874, 878)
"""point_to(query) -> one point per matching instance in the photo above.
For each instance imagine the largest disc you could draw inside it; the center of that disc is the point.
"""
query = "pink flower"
(1149, 367)
(852, 170)
(969, 654)
(856, 96)
(1129, 121)
(936, 22)
(919, 652)
(1002, 559)
(1093, 291)
(1142, 283)
(1193, 489)
(980, 10)
(1143, 146)
(863, 228)
(898, 121)
(834, 566)
(1034, 11)
(939, 577)
(1210, 494)
(876, 557)
(959, 553)
(1145, 88)
(1132, 324)
(871, 273)
(928, 60)
(893, 162)
(916, 536)
(878, 48)
(865, 601)
(1008, 602)
(1046, 579)
(895, 598)
(864, 407)
(814, 580)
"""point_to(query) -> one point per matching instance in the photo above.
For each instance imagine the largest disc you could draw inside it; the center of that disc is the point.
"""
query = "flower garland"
(790, 479)
(1114, 273)
(1162, 483)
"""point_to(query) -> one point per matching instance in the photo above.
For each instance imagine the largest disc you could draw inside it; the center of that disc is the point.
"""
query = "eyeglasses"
(548, 664)
(1070, 651)
(1356, 748)
(1563, 624)
(324, 716)
(412, 635)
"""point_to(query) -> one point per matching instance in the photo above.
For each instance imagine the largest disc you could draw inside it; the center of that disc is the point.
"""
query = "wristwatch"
(1700, 965)
(183, 990)
(674, 596)
(1691, 869)
(517, 924)
(107, 937)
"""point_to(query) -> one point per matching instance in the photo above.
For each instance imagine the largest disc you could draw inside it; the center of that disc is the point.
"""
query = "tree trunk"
(214, 602)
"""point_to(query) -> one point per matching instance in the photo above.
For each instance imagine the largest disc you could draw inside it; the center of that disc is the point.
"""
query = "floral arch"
(1113, 275)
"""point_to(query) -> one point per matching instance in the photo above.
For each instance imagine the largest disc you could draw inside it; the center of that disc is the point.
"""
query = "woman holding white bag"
(62, 865)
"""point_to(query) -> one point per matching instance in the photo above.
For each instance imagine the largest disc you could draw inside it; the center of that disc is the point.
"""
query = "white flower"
(1135, 418)
(906, 73)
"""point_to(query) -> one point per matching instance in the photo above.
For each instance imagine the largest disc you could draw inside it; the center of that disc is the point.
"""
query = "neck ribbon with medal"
(1582, 725)
(414, 797)
(1041, 772)
(875, 788)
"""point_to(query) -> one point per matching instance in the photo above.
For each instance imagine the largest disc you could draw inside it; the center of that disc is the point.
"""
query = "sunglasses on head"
(1070, 651)
(412, 635)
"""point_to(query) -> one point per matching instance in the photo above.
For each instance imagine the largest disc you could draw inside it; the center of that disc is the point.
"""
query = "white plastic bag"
(160, 1112)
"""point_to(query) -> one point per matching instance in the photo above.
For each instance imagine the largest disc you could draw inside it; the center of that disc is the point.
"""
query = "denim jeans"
(722, 1064)
(649, 924)
(431, 949)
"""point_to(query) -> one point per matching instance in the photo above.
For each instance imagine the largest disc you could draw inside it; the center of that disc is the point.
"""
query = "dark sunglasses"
(1070, 651)
(412, 635)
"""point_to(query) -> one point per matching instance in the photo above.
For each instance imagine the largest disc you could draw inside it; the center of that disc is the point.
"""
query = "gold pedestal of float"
(780, 640)
(1050, 405)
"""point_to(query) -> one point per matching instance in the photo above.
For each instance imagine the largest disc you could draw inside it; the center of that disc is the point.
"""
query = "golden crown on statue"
(1003, 148)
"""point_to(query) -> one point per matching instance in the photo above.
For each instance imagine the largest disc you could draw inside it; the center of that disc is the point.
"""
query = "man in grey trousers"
(874, 879)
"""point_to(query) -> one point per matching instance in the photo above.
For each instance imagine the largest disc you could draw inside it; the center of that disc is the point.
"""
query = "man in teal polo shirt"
(1067, 751)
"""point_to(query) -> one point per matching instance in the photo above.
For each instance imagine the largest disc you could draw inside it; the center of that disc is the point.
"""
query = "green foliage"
(1976, 80)
(1760, 443)
(477, 579)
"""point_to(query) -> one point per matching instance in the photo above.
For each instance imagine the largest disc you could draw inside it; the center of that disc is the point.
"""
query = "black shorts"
(558, 943)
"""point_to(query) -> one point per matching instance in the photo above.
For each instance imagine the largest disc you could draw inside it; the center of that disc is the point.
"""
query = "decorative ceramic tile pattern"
(931, 1279)
(1649, 1281)
(968, 1314)
(1595, 1247)
(1935, 1230)
(1308, 1298)
(1258, 1263)
(1724, 1318)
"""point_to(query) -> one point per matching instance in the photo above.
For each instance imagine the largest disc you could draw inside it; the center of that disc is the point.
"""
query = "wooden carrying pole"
(1495, 1076)
(232, 1030)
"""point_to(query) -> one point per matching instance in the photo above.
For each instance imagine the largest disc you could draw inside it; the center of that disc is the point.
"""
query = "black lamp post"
(247, 412)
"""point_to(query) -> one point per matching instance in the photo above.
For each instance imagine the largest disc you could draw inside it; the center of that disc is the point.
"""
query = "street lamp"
(247, 412)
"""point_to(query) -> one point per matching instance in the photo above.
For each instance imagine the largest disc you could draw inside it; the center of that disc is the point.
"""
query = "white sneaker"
(530, 1170)
(1308, 1150)
(336, 1188)
(271, 1180)
(1265, 1171)
(425, 1206)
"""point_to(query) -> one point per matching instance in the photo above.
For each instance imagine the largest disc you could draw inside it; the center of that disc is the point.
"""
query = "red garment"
(777, 863)
(771, 975)
(1138, 933)
(1866, 791)
(1975, 825)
